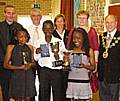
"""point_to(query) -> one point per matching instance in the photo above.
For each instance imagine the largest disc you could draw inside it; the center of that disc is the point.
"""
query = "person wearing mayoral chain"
(108, 61)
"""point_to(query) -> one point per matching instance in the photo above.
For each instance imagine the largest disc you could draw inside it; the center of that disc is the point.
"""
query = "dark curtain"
(67, 8)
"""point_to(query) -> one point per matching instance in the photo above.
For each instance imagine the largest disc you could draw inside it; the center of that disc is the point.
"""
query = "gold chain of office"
(105, 53)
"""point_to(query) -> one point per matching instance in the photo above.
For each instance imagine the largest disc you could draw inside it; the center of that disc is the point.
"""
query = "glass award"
(77, 60)
(45, 50)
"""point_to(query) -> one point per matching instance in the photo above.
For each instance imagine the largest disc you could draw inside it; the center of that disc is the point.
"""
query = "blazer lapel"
(116, 35)
(55, 34)
(105, 35)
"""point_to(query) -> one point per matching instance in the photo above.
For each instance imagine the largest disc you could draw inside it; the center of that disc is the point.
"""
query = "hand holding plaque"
(77, 60)
(44, 50)
(80, 60)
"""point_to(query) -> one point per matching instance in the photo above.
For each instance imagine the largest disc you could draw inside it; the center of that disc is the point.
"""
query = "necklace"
(105, 53)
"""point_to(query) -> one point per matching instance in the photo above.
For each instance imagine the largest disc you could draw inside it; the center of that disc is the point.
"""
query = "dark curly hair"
(86, 45)
(48, 22)
(14, 40)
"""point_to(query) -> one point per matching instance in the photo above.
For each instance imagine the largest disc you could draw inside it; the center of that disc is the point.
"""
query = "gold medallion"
(105, 54)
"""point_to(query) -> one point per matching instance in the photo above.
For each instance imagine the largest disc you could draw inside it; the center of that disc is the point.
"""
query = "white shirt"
(35, 43)
(61, 35)
(31, 30)
(47, 61)
(112, 33)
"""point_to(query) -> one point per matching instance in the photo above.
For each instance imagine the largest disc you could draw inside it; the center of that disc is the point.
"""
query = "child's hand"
(28, 66)
(82, 65)
(66, 58)
(38, 50)
(22, 67)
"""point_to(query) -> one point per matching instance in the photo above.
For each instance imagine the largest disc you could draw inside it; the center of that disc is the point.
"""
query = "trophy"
(55, 47)
(24, 54)
(55, 50)
(66, 60)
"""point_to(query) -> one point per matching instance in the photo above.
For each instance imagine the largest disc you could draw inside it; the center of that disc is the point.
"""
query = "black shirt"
(6, 33)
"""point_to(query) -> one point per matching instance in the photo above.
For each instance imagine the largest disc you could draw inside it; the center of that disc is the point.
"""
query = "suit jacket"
(109, 68)
(6, 34)
(55, 34)
(0, 53)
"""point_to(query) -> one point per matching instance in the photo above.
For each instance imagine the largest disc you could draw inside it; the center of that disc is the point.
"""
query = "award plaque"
(57, 63)
(45, 50)
(77, 60)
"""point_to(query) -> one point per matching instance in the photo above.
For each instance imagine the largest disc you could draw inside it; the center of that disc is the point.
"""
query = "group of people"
(39, 50)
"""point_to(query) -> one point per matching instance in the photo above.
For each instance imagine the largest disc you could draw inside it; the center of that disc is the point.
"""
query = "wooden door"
(115, 9)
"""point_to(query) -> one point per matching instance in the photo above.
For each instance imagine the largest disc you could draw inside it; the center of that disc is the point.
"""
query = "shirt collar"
(9, 24)
(61, 35)
(34, 26)
(113, 32)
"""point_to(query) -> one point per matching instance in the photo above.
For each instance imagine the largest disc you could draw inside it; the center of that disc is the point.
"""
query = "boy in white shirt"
(51, 65)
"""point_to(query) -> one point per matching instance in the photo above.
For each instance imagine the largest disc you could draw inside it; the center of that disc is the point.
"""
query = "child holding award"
(81, 61)
(50, 58)
(19, 59)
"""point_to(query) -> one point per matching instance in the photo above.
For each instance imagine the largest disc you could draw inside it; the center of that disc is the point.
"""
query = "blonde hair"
(82, 12)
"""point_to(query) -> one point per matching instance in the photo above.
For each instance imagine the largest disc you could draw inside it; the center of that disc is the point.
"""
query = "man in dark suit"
(109, 61)
(7, 29)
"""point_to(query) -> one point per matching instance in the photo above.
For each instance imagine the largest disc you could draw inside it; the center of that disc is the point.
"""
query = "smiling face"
(10, 14)
(22, 37)
(78, 39)
(60, 23)
(111, 23)
(82, 20)
(36, 16)
(48, 29)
